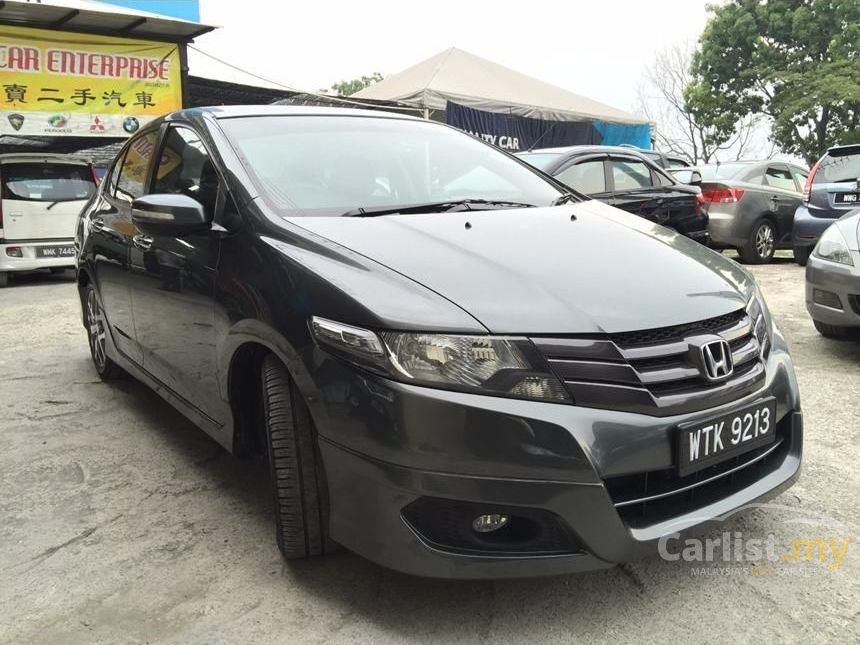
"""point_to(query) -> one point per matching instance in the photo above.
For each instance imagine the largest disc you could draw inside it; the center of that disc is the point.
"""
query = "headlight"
(832, 246)
(483, 364)
(761, 320)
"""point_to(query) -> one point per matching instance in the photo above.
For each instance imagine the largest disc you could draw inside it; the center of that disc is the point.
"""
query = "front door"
(173, 278)
(112, 232)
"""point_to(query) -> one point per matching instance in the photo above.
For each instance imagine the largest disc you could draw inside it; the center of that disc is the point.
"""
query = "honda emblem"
(716, 360)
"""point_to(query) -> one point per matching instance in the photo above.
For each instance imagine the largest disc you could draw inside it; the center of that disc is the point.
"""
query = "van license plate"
(709, 442)
(55, 251)
(847, 198)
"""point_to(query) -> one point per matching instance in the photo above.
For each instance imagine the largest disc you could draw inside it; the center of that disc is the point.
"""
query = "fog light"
(14, 252)
(826, 298)
(489, 523)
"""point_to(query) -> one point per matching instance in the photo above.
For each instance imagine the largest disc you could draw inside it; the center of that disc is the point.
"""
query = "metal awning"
(99, 18)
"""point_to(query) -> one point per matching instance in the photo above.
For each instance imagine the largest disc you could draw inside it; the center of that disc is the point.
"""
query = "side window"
(586, 177)
(113, 174)
(630, 175)
(800, 176)
(780, 178)
(659, 179)
(185, 168)
(135, 165)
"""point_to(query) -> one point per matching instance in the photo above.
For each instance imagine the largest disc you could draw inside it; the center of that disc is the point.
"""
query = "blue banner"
(519, 133)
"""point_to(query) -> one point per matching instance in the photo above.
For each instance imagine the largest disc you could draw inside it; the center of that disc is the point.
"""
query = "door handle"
(97, 224)
(143, 242)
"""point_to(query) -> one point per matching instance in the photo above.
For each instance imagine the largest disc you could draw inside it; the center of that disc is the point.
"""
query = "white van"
(41, 196)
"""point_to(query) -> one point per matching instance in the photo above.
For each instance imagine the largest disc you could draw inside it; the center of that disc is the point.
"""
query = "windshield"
(541, 160)
(41, 182)
(836, 168)
(723, 170)
(330, 165)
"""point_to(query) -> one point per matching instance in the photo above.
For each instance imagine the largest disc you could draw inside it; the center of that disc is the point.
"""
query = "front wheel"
(833, 331)
(761, 244)
(96, 336)
(298, 481)
(801, 254)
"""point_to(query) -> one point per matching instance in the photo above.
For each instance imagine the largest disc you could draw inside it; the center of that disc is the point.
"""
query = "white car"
(42, 195)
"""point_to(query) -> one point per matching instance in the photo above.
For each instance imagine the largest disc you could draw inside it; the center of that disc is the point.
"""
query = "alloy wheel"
(96, 330)
(764, 241)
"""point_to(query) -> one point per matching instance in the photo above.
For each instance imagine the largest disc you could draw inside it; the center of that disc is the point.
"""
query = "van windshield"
(42, 182)
(331, 165)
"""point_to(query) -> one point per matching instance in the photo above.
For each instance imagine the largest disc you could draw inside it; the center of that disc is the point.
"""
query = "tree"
(681, 129)
(346, 88)
(796, 61)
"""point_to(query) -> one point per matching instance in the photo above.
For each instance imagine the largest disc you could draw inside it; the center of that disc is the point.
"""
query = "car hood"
(577, 268)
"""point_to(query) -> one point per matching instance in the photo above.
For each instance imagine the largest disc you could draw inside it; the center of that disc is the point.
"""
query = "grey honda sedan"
(453, 365)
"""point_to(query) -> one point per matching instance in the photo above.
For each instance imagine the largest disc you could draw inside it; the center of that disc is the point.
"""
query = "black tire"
(97, 337)
(834, 331)
(801, 254)
(298, 481)
(761, 244)
(4, 279)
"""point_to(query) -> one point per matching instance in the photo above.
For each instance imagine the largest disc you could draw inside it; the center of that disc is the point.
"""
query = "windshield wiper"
(432, 207)
(566, 198)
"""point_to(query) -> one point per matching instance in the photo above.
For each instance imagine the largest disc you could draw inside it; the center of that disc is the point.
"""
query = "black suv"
(453, 367)
(625, 178)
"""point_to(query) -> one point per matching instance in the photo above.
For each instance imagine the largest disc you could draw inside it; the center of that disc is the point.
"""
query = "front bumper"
(386, 446)
(834, 279)
(29, 261)
(807, 229)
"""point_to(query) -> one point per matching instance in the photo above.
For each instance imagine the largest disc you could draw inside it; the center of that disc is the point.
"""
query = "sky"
(596, 48)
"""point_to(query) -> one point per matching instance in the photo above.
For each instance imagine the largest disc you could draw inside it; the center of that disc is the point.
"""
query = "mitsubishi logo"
(716, 358)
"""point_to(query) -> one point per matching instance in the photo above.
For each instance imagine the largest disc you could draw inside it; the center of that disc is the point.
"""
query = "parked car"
(831, 190)
(833, 279)
(42, 196)
(750, 206)
(665, 161)
(623, 178)
(455, 367)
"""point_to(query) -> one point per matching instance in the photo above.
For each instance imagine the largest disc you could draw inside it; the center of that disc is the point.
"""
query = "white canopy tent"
(460, 77)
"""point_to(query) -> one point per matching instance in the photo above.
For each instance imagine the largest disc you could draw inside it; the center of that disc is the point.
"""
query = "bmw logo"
(130, 124)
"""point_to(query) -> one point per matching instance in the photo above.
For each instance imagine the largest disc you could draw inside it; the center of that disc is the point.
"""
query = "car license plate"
(848, 198)
(709, 442)
(55, 251)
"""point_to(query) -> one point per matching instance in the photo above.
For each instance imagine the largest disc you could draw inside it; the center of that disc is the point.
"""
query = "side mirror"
(169, 214)
(687, 176)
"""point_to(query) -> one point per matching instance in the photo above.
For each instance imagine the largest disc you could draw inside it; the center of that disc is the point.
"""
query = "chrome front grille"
(654, 371)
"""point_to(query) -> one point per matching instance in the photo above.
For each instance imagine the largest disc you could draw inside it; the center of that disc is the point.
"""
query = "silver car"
(833, 279)
(750, 206)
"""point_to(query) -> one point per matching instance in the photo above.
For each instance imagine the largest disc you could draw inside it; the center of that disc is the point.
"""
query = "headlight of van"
(832, 246)
(493, 365)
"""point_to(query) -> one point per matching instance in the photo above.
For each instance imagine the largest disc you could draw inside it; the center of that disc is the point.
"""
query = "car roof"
(45, 157)
(587, 149)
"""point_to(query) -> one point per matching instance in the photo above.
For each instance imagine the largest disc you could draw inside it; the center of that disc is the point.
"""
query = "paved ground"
(120, 522)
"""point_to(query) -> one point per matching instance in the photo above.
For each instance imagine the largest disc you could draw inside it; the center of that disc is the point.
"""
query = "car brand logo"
(58, 121)
(97, 125)
(716, 360)
(16, 121)
(130, 124)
